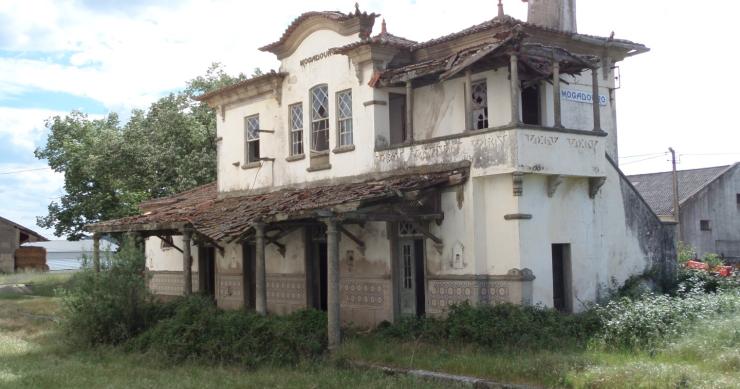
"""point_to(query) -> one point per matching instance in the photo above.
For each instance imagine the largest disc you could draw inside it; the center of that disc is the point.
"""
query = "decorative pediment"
(344, 24)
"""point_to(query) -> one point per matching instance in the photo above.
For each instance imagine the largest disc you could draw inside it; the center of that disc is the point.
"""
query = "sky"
(101, 56)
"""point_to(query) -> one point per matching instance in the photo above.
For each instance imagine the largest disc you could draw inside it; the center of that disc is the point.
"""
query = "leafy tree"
(110, 167)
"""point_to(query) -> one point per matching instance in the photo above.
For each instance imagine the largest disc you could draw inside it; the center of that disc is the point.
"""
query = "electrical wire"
(644, 159)
(25, 170)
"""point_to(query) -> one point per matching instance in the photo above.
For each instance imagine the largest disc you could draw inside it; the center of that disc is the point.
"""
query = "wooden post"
(515, 94)
(556, 94)
(468, 100)
(260, 289)
(187, 261)
(409, 112)
(332, 277)
(595, 98)
(96, 252)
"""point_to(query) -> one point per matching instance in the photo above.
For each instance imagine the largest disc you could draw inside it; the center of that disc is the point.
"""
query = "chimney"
(557, 14)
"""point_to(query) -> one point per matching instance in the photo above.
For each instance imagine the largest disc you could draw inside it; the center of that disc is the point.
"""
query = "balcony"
(507, 149)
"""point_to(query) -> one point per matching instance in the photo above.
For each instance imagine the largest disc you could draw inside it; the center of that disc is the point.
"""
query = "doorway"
(316, 267)
(410, 270)
(207, 271)
(249, 255)
(561, 278)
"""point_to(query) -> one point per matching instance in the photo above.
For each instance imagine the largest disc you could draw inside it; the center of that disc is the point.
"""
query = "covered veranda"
(205, 217)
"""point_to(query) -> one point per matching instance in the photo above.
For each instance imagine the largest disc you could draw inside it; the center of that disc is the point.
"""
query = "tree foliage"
(110, 167)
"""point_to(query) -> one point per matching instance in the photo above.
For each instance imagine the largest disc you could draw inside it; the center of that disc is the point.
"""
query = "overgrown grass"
(707, 356)
(34, 354)
(40, 283)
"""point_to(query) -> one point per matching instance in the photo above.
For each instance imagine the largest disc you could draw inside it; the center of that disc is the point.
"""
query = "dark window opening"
(207, 271)
(704, 225)
(561, 278)
(737, 199)
(531, 105)
(397, 117)
(316, 268)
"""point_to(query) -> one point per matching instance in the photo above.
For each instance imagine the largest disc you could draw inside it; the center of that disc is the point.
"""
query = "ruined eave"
(481, 33)
(268, 83)
(536, 58)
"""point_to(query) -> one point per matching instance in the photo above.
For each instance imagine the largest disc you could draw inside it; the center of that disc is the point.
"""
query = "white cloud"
(27, 191)
(24, 127)
(126, 54)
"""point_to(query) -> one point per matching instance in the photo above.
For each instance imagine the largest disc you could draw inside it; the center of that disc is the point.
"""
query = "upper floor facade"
(506, 95)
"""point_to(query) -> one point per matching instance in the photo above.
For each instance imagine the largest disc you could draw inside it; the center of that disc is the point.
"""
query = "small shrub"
(497, 326)
(713, 260)
(198, 330)
(112, 306)
(685, 252)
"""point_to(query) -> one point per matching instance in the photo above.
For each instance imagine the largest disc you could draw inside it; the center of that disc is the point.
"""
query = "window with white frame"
(320, 118)
(344, 117)
(296, 129)
(479, 107)
(252, 130)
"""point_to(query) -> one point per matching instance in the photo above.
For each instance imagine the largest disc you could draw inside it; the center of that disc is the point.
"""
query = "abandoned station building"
(373, 176)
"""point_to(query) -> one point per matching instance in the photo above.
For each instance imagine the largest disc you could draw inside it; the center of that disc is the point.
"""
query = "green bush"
(112, 306)
(498, 326)
(198, 330)
(654, 319)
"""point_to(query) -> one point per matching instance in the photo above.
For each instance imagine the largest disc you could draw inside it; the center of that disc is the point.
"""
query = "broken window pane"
(480, 104)
(252, 129)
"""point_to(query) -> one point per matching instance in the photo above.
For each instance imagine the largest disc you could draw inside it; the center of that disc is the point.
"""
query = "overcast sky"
(99, 56)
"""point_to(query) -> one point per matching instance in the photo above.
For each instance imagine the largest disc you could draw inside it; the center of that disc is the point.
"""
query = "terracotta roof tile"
(231, 217)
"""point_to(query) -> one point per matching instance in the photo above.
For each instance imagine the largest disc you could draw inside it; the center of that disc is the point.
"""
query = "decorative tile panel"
(170, 283)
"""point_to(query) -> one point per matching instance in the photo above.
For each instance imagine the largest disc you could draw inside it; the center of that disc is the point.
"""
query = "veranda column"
(595, 99)
(260, 288)
(187, 261)
(556, 93)
(332, 278)
(96, 252)
(409, 112)
(514, 76)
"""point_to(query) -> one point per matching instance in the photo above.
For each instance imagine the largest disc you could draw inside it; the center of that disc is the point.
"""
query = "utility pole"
(675, 193)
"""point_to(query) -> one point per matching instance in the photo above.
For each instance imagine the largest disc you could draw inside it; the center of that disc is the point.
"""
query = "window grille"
(252, 126)
(296, 129)
(320, 118)
(407, 280)
(407, 229)
(480, 104)
(344, 117)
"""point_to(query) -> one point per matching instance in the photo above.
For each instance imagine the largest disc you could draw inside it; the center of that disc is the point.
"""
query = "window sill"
(318, 168)
(322, 153)
(296, 157)
(343, 149)
(252, 165)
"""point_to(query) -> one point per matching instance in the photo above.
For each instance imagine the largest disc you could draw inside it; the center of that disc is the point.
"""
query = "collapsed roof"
(232, 218)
